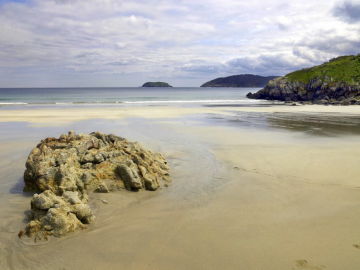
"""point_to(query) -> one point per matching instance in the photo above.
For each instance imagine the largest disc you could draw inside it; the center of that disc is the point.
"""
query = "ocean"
(126, 95)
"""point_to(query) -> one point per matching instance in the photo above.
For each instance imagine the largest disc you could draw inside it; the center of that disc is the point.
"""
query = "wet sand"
(249, 190)
(57, 114)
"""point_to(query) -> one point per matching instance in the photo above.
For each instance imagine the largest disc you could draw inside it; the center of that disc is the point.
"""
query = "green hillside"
(341, 69)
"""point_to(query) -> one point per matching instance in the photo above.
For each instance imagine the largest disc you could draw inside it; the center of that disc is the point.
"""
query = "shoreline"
(55, 114)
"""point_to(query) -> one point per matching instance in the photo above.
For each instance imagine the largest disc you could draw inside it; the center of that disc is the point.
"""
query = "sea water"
(125, 95)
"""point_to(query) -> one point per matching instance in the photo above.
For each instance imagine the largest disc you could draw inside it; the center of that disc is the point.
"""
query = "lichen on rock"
(63, 171)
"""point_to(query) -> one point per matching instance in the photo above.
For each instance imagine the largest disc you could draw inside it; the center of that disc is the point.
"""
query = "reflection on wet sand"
(318, 124)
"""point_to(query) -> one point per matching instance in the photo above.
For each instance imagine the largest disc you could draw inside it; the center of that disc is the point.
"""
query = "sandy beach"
(253, 187)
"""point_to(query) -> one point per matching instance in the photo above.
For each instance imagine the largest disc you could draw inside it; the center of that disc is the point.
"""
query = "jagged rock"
(83, 213)
(63, 171)
(128, 172)
(57, 215)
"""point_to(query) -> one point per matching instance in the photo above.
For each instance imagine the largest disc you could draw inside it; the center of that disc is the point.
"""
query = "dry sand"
(240, 198)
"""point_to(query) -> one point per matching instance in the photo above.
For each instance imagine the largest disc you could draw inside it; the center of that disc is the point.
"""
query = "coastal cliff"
(334, 82)
(242, 80)
(156, 84)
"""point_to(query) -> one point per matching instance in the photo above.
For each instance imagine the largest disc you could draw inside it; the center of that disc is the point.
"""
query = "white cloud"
(185, 42)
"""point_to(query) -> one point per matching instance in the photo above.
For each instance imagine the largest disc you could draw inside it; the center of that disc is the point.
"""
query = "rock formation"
(334, 82)
(63, 171)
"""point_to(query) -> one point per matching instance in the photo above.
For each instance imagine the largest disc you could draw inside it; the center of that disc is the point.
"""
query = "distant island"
(156, 84)
(334, 82)
(242, 80)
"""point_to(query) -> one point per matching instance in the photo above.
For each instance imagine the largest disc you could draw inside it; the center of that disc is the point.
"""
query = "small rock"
(104, 201)
(102, 188)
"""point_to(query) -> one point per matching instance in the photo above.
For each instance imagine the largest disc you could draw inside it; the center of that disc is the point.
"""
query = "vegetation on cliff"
(243, 80)
(156, 84)
(334, 82)
(342, 69)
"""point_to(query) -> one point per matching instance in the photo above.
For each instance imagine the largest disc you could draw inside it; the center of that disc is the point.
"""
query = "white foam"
(13, 103)
(224, 101)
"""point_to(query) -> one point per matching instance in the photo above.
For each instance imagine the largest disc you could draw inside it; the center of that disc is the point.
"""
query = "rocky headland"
(64, 171)
(334, 82)
(242, 80)
(156, 84)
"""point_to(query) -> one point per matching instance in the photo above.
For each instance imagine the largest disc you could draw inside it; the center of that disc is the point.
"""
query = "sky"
(80, 43)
